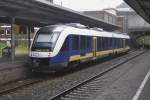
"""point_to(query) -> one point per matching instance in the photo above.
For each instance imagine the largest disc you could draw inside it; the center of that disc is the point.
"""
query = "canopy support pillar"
(12, 38)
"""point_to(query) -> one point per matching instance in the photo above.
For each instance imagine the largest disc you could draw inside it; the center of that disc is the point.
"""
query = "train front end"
(42, 48)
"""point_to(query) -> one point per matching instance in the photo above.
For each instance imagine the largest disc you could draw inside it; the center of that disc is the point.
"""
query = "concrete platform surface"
(10, 71)
(127, 85)
(21, 57)
(145, 94)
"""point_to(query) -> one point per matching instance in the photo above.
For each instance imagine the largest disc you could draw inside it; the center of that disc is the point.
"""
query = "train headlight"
(49, 54)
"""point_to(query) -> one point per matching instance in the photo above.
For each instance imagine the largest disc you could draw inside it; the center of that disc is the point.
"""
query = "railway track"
(83, 90)
(10, 87)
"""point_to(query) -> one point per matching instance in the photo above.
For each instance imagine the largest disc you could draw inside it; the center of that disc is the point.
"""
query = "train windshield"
(45, 40)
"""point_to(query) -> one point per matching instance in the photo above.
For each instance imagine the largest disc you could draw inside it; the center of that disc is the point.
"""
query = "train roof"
(83, 30)
(96, 33)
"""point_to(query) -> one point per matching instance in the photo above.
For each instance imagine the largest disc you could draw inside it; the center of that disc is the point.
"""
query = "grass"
(21, 50)
(2, 45)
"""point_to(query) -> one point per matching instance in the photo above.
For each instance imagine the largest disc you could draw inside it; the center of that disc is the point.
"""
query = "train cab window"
(65, 46)
(75, 42)
(83, 40)
(45, 40)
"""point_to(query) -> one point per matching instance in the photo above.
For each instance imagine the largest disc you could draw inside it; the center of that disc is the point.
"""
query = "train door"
(94, 46)
(124, 43)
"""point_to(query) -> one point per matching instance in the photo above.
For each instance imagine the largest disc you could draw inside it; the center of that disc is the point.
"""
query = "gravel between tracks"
(42, 91)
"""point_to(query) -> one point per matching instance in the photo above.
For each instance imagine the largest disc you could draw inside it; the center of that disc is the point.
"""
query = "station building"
(128, 20)
(107, 15)
(135, 25)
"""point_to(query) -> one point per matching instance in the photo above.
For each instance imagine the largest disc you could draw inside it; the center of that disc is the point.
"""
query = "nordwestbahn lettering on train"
(57, 46)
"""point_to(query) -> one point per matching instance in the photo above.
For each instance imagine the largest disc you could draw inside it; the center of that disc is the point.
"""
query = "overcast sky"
(82, 5)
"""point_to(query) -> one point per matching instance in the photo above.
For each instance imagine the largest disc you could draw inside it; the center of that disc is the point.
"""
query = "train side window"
(103, 44)
(121, 43)
(99, 43)
(128, 42)
(118, 43)
(114, 46)
(75, 42)
(65, 45)
(107, 43)
(110, 43)
(89, 43)
(83, 40)
(101, 47)
(124, 43)
(108, 40)
(109, 46)
(115, 43)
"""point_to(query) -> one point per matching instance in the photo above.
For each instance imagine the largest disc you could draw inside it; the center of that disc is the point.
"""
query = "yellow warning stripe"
(98, 53)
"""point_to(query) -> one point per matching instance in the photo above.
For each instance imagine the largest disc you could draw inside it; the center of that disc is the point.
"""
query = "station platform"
(145, 92)
(13, 70)
(131, 84)
(18, 58)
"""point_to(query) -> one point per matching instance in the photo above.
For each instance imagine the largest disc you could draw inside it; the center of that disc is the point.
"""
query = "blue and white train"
(56, 46)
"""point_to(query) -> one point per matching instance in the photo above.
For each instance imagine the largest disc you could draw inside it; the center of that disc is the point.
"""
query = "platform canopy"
(142, 7)
(37, 13)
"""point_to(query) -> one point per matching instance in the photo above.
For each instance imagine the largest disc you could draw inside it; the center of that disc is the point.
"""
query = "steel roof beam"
(48, 13)
(140, 7)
